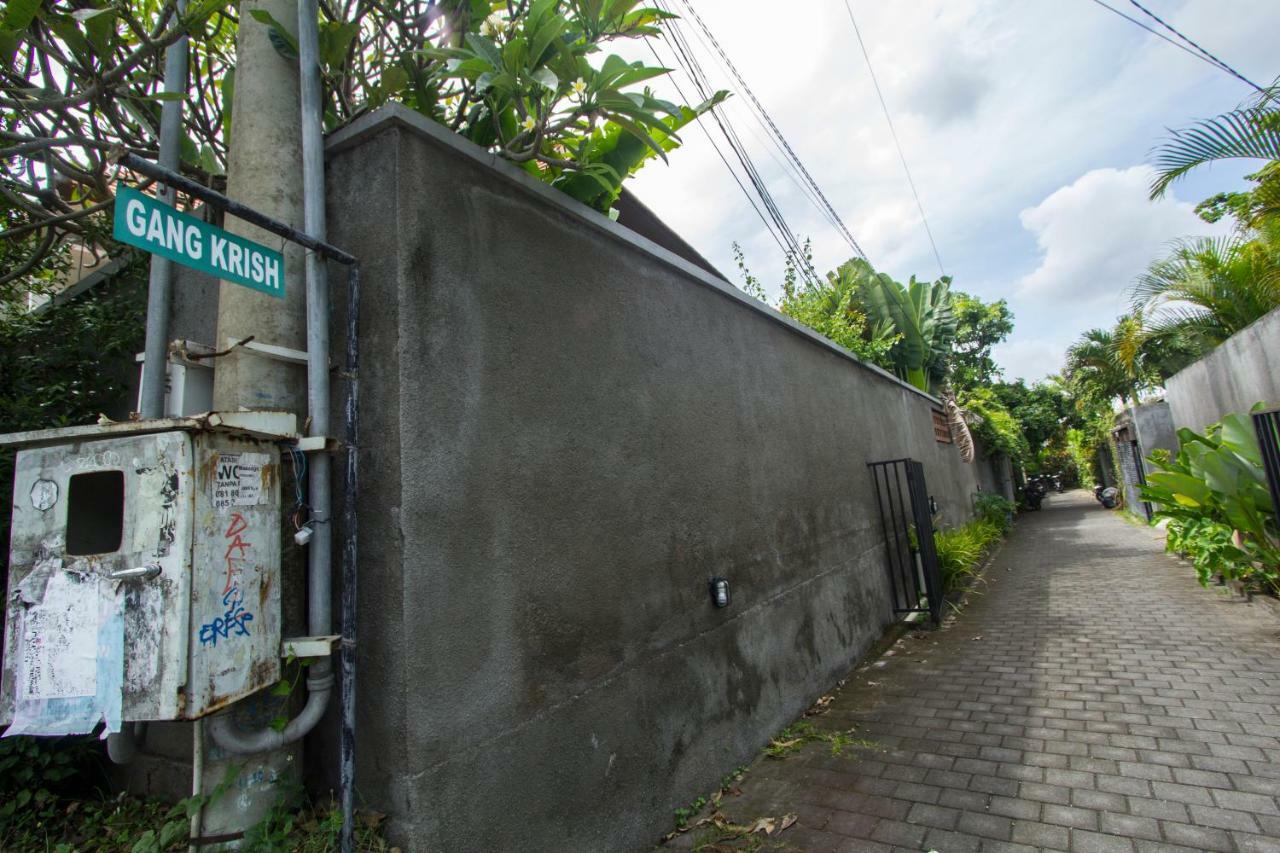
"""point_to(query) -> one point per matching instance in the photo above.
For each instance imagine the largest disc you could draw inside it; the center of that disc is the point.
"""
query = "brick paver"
(1092, 697)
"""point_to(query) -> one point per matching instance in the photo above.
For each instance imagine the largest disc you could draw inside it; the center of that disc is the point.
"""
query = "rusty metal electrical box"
(144, 571)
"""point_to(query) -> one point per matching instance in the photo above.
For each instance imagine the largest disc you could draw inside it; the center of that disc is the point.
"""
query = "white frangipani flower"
(529, 123)
(493, 25)
(579, 87)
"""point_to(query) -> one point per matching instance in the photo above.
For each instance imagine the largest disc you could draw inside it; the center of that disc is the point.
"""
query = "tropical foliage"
(531, 81)
(1214, 493)
(961, 550)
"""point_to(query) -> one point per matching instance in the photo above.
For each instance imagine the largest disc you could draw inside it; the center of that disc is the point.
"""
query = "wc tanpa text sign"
(142, 221)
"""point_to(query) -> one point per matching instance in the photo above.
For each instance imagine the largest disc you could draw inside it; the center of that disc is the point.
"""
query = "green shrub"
(1209, 546)
(961, 549)
(994, 508)
(1214, 493)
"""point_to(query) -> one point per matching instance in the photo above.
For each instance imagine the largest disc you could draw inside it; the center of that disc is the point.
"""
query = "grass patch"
(796, 735)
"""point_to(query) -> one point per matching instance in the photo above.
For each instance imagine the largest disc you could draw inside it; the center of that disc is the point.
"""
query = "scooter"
(1108, 497)
(1033, 493)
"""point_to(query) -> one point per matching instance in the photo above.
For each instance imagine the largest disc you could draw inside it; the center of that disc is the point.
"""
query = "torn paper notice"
(238, 480)
(70, 666)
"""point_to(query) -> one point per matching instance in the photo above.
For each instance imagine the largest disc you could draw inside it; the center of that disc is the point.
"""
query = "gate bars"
(1267, 426)
(903, 499)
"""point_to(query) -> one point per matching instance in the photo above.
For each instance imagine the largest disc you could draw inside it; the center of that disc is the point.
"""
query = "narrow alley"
(1091, 697)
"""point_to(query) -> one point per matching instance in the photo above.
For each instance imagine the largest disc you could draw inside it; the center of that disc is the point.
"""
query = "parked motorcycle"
(1108, 497)
(1033, 493)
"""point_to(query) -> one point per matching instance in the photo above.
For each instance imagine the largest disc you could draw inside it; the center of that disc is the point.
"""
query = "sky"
(1027, 126)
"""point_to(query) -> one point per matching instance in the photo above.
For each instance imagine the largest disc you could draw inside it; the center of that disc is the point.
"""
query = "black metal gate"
(905, 517)
(1267, 426)
(1134, 471)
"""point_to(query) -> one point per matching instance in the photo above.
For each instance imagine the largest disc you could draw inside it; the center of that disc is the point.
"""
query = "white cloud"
(999, 106)
(1099, 232)
(1031, 360)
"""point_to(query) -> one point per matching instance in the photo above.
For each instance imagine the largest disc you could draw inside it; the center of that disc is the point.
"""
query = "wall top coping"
(1221, 350)
(400, 116)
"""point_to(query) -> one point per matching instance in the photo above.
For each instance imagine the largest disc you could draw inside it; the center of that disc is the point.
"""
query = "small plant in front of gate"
(1214, 494)
(961, 550)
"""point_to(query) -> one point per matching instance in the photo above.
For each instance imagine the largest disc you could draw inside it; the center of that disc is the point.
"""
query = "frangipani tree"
(530, 80)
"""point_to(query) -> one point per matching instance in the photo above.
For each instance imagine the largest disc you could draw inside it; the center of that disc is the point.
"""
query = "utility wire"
(892, 132)
(784, 234)
(771, 144)
(746, 89)
(725, 160)
(1216, 61)
(1160, 35)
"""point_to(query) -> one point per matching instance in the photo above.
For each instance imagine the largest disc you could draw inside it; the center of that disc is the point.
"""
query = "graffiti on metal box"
(234, 620)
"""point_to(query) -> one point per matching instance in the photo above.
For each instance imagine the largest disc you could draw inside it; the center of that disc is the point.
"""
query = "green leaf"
(486, 49)
(547, 78)
(280, 37)
(335, 41)
(394, 79)
(279, 723)
(282, 688)
(18, 14)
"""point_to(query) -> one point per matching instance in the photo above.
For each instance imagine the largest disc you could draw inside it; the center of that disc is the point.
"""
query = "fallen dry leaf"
(788, 820)
(764, 824)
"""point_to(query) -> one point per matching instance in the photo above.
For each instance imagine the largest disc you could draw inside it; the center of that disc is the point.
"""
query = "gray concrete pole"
(264, 170)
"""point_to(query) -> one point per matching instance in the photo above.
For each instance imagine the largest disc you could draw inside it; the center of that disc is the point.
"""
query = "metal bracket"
(309, 647)
(316, 444)
(292, 356)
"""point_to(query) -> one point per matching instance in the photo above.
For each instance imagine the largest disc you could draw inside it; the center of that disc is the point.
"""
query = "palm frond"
(1251, 133)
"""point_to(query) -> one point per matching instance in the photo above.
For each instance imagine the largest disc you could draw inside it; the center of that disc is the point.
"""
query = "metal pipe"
(319, 580)
(197, 784)
(160, 285)
(351, 490)
(122, 746)
(143, 166)
(320, 585)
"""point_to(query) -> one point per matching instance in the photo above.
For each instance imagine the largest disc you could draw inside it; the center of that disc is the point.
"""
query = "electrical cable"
(785, 161)
(1160, 35)
(764, 114)
(725, 160)
(693, 69)
(1216, 61)
(894, 133)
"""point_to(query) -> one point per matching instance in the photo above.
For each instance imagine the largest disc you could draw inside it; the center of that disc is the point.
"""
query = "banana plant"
(922, 315)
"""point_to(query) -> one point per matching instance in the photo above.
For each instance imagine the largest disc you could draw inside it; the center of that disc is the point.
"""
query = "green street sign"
(142, 221)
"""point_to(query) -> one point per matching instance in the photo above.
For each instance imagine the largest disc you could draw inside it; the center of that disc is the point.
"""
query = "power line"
(779, 229)
(771, 144)
(783, 233)
(693, 13)
(894, 133)
(733, 174)
(1216, 61)
(1182, 47)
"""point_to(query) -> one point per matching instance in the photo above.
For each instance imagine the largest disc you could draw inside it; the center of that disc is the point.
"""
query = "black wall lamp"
(720, 592)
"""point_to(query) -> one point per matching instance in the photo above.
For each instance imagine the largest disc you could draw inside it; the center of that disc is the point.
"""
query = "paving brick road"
(1093, 698)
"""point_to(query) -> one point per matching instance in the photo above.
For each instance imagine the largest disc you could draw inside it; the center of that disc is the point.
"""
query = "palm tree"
(1206, 290)
(1096, 366)
(1251, 132)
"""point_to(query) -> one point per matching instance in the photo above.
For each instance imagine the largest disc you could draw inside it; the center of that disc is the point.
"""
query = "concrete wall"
(1151, 425)
(566, 432)
(1232, 378)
